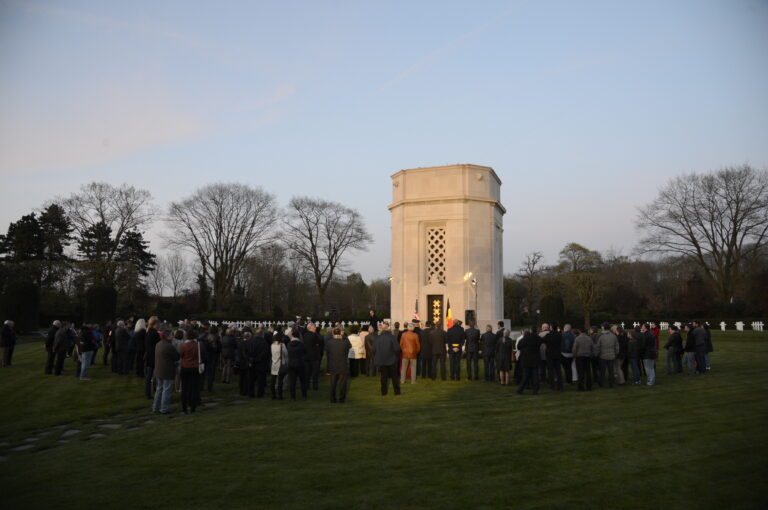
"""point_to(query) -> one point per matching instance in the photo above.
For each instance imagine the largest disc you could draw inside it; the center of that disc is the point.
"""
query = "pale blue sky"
(583, 108)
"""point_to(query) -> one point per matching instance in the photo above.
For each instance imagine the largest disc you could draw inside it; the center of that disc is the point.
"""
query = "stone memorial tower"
(447, 244)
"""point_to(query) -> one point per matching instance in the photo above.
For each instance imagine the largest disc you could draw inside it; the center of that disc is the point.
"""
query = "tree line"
(233, 252)
(708, 235)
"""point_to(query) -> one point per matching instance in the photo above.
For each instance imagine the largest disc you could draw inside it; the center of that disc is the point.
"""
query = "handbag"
(200, 364)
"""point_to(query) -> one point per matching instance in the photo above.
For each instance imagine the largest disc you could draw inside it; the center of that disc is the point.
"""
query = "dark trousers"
(299, 373)
(49, 362)
(370, 368)
(245, 378)
(115, 362)
(530, 376)
(210, 374)
(490, 367)
(105, 358)
(123, 364)
(139, 363)
(341, 381)
(60, 357)
(313, 372)
(423, 366)
(148, 375)
(391, 372)
(584, 368)
(8, 355)
(354, 366)
(701, 359)
(473, 361)
(606, 363)
(555, 376)
(131, 360)
(595, 365)
(455, 365)
(276, 385)
(257, 382)
(433, 367)
(543, 371)
(567, 369)
(679, 362)
(190, 388)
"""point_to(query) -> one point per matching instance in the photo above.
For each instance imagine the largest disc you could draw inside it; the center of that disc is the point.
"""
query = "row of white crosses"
(756, 325)
(270, 324)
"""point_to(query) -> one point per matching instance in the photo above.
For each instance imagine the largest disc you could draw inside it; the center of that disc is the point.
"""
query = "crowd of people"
(189, 358)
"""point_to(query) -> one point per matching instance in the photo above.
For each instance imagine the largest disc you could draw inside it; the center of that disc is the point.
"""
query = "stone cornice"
(446, 200)
(462, 166)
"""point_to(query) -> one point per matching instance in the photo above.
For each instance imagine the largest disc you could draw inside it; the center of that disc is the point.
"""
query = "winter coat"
(489, 344)
(649, 345)
(228, 347)
(437, 340)
(8, 336)
(165, 360)
(139, 339)
(297, 354)
(50, 337)
(387, 349)
(409, 344)
(314, 344)
(582, 346)
(554, 342)
(567, 344)
(337, 352)
(473, 339)
(121, 339)
(279, 357)
(150, 341)
(623, 342)
(504, 348)
(425, 343)
(530, 350)
(674, 343)
(86, 341)
(607, 346)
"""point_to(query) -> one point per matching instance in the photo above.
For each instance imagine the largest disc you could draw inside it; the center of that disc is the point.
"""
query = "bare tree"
(320, 233)
(718, 220)
(107, 219)
(222, 224)
(177, 273)
(122, 209)
(580, 268)
(529, 273)
(158, 278)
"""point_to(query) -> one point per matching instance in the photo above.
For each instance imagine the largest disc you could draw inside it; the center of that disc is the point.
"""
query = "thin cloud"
(450, 46)
(112, 122)
(143, 28)
(280, 94)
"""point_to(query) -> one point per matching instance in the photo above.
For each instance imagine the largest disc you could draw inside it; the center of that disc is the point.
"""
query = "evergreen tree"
(133, 250)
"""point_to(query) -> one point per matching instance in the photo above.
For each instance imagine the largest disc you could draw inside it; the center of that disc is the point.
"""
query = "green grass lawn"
(689, 442)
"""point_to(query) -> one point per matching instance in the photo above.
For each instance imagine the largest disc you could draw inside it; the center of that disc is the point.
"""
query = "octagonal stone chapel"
(447, 244)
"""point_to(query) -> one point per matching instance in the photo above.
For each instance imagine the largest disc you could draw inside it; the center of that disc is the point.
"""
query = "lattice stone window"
(436, 255)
